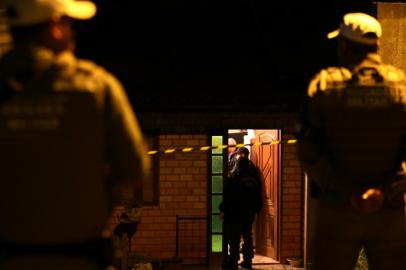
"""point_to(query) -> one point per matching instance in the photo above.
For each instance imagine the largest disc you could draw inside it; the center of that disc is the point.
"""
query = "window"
(217, 168)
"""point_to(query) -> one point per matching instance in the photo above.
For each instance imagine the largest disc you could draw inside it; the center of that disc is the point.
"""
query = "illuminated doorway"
(265, 153)
(267, 157)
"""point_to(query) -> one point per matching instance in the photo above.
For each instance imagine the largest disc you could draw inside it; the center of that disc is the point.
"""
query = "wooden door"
(267, 158)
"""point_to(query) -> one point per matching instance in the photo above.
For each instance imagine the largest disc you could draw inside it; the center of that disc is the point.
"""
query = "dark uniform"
(242, 200)
(67, 132)
(354, 139)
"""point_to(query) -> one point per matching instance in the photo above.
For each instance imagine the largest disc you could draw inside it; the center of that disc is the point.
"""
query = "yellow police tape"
(221, 146)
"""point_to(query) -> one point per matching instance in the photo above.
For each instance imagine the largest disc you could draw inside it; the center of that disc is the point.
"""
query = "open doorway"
(265, 153)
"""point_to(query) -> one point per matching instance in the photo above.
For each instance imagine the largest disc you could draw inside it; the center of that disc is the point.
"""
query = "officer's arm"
(308, 128)
(310, 146)
(126, 148)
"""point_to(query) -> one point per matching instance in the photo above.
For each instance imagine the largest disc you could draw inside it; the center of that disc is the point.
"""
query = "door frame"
(224, 132)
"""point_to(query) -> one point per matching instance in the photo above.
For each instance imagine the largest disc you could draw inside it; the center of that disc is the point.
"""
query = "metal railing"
(192, 242)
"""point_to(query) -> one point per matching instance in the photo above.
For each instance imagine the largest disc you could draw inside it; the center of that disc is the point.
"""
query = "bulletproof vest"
(363, 119)
(52, 185)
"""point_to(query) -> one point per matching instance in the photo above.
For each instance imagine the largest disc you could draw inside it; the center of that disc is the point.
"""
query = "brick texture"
(183, 192)
(291, 203)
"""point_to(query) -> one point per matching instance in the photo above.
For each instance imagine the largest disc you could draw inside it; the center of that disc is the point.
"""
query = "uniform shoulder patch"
(338, 74)
(87, 67)
(332, 77)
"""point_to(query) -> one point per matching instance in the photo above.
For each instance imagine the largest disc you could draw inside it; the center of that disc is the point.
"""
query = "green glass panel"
(217, 243)
(215, 202)
(217, 140)
(217, 184)
(216, 224)
(217, 164)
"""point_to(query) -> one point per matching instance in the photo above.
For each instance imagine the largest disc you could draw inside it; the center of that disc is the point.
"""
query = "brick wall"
(183, 191)
(292, 202)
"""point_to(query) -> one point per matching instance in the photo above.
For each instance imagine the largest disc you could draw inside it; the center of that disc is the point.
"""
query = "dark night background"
(188, 55)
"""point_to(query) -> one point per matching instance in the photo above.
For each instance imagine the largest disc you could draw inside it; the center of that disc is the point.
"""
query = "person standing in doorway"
(232, 148)
(242, 200)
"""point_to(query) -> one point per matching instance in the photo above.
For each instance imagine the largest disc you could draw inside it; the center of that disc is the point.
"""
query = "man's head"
(242, 157)
(242, 152)
(47, 22)
(231, 145)
(358, 35)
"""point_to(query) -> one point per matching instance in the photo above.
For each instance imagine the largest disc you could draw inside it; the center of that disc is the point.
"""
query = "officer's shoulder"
(392, 73)
(90, 68)
(98, 73)
(327, 78)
